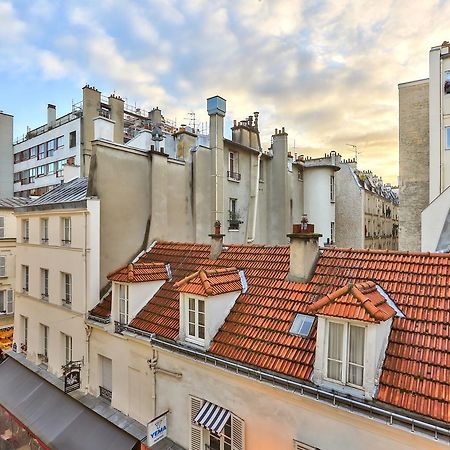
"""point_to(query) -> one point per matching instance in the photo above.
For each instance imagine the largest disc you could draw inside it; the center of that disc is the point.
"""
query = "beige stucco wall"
(80, 259)
(273, 416)
(413, 161)
(8, 250)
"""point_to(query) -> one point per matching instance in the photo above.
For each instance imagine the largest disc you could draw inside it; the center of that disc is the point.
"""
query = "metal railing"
(236, 176)
(105, 393)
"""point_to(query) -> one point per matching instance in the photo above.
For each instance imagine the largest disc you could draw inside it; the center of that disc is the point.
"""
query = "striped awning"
(212, 417)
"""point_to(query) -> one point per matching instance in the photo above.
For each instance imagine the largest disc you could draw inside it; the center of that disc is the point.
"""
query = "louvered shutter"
(237, 433)
(10, 302)
(196, 430)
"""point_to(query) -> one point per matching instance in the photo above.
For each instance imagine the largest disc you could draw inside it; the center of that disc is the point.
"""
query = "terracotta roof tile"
(415, 374)
(208, 282)
(140, 272)
(355, 301)
(103, 309)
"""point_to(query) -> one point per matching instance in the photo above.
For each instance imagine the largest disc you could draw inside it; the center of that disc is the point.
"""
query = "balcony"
(67, 302)
(105, 393)
(233, 176)
(234, 220)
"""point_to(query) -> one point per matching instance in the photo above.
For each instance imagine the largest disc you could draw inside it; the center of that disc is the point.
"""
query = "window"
(123, 303)
(60, 141)
(447, 138)
(33, 152)
(2, 266)
(332, 188)
(44, 341)
(51, 147)
(25, 278)
(196, 318)
(24, 333)
(106, 377)
(66, 231)
(44, 284)
(72, 139)
(233, 219)
(300, 174)
(41, 151)
(26, 230)
(261, 171)
(332, 233)
(2, 227)
(7, 301)
(233, 166)
(302, 325)
(345, 356)
(447, 82)
(67, 289)
(44, 231)
(222, 442)
(41, 171)
(67, 348)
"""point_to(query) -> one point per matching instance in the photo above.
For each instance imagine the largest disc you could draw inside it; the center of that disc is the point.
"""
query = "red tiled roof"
(355, 301)
(103, 309)
(416, 370)
(208, 282)
(139, 272)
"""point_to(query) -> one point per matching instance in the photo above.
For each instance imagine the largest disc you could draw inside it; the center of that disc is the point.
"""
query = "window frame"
(123, 303)
(332, 188)
(67, 287)
(44, 342)
(66, 232)
(44, 230)
(26, 230)
(2, 227)
(25, 278)
(3, 273)
(72, 139)
(44, 284)
(68, 348)
(233, 166)
(195, 338)
(345, 353)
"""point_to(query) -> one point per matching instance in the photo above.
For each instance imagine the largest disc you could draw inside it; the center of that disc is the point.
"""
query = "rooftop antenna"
(355, 149)
(191, 119)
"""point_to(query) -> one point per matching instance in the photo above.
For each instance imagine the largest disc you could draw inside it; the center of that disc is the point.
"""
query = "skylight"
(302, 325)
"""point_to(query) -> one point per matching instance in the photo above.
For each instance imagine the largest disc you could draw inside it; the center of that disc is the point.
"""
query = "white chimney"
(51, 114)
(104, 129)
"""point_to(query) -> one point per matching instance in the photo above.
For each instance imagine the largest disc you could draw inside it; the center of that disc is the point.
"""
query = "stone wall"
(414, 161)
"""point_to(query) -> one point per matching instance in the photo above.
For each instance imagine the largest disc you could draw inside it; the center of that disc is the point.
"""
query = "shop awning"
(54, 417)
(212, 417)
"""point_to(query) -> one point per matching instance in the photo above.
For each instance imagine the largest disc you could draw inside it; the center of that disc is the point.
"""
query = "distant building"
(40, 154)
(6, 155)
(424, 138)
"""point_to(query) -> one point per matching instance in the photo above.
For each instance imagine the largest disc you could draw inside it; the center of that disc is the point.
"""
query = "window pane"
(356, 345)
(355, 375)
(201, 319)
(201, 332)
(192, 304)
(201, 306)
(335, 333)
(191, 317)
(191, 329)
(334, 370)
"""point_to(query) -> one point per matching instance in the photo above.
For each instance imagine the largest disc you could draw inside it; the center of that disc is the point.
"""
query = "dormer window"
(196, 319)
(345, 353)
(123, 303)
(352, 334)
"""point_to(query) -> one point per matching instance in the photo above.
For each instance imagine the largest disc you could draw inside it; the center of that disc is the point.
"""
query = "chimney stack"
(51, 114)
(216, 241)
(304, 251)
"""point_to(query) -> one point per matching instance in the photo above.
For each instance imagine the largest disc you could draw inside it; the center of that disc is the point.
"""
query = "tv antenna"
(355, 149)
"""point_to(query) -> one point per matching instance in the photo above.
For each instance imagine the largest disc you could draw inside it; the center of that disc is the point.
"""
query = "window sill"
(232, 230)
(196, 341)
(234, 180)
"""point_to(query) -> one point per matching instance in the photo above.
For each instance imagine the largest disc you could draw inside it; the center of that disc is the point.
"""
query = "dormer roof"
(360, 301)
(140, 272)
(210, 282)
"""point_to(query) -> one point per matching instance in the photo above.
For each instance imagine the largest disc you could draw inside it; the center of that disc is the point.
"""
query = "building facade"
(424, 157)
(234, 340)
(57, 275)
(6, 155)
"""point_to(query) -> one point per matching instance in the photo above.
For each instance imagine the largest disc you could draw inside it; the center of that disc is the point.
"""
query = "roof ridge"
(385, 251)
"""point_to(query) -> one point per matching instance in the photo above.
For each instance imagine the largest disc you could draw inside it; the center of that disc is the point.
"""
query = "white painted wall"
(318, 207)
(60, 154)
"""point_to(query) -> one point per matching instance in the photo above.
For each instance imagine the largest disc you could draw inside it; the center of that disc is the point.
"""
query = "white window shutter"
(196, 430)
(2, 266)
(10, 302)
(237, 433)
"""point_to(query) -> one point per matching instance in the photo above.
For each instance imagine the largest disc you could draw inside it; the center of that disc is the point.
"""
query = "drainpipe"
(152, 363)
(88, 329)
(251, 239)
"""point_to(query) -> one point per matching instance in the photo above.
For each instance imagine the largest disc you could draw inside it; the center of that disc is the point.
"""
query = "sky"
(325, 70)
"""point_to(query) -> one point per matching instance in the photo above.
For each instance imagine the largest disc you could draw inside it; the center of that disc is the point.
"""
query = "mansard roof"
(416, 370)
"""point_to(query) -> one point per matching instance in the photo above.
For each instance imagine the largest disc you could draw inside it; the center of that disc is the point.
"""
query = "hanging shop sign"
(157, 429)
(72, 376)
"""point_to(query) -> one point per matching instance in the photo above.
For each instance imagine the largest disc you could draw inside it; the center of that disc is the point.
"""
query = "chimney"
(216, 241)
(304, 251)
(51, 114)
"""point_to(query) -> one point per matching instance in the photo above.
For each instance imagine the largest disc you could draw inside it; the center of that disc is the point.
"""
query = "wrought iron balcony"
(105, 393)
(233, 220)
(236, 176)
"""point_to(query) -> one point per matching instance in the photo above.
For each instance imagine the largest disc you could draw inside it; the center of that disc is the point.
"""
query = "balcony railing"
(119, 327)
(236, 176)
(105, 393)
(233, 220)
(67, 302)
